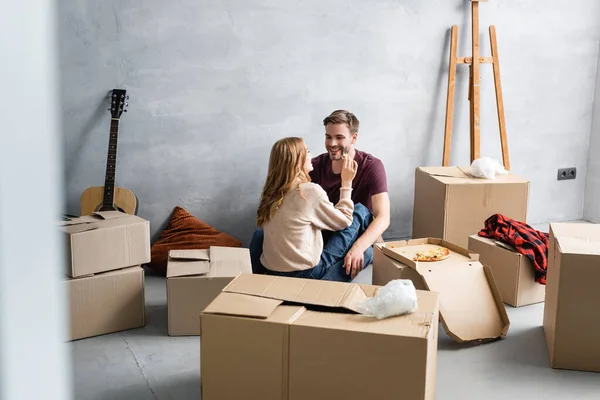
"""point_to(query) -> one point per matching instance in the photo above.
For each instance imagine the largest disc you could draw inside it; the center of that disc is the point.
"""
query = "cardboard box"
(471, 308)
(513, 272)
(450, 204)
(296, 339)
(195, 278)
(106, 303)
(571, 317)
(105, 241)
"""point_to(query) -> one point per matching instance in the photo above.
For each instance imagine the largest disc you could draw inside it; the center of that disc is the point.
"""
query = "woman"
(293, 211)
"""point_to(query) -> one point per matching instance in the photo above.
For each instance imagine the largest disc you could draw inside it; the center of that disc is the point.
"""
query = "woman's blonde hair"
(286, 171)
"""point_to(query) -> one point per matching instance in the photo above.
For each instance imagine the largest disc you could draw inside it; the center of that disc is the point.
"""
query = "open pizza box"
(471, 308)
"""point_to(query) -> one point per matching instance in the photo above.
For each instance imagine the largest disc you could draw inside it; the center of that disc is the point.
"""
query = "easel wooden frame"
(474, 88)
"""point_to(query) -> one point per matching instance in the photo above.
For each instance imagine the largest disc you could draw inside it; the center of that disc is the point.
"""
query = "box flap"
(470, 304)
(229, 261)
(95, 217)
(110, 214)
(452, 172)
(455, 174)
(498, 243)
(221, 253)
(299, 291)
(415, 324)
(188, 263)
(236, 304)
(192, 255)
(577, 238)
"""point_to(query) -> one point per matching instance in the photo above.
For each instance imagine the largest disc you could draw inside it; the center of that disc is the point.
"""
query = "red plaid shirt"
(527, 241)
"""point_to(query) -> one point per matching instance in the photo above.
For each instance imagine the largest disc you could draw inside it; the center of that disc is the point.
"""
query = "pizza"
(437, 254)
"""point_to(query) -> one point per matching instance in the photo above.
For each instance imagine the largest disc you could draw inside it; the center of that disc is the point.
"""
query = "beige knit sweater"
(292, 238)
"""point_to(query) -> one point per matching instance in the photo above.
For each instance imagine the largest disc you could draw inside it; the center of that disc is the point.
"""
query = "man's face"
(338, 140)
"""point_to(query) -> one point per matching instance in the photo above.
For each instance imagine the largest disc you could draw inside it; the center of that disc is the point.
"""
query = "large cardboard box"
(471, 308)
(513, 272)
(106, 303)
(297, 339)
(450, 204)
(571, 317)
(195, 278)
(105, 241)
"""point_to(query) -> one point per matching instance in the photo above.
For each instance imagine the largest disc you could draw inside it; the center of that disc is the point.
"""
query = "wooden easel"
(474, 88)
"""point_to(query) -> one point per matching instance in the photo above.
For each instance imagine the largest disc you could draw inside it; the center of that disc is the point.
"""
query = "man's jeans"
(331, 264)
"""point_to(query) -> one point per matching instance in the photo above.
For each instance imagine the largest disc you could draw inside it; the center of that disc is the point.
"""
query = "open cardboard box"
(292, 338)
(513, 272)
(471, 307)
(195, 278)
(105, 241)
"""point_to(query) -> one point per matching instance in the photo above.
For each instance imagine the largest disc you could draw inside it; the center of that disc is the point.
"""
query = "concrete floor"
(147, 364)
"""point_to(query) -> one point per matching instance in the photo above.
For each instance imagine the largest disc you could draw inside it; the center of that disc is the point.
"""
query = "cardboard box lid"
(90, 222)
(497, 243)
(416, 324)
(259, 295)
(215, 262)
(470, 305)
(229, 261)
(463, 175)
(577, 238)
(188, 262)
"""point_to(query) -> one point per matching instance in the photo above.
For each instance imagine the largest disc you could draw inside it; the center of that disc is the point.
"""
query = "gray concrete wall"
(214, 83)
(592, 193)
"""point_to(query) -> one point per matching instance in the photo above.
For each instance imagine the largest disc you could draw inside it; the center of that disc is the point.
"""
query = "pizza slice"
(437, 254)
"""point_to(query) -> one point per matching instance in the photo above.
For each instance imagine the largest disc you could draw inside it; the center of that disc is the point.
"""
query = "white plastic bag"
(487, 168)
(396, 298)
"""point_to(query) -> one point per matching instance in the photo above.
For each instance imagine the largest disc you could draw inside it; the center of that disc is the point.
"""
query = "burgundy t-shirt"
(370, 178)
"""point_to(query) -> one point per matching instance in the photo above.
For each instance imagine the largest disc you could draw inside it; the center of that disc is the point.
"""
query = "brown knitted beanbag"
(186, 232)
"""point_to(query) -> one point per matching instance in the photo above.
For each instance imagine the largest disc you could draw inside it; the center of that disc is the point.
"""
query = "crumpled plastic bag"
(486, 167)
(398, 297)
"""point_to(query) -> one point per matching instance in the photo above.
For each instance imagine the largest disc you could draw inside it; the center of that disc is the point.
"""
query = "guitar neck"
(111, 164)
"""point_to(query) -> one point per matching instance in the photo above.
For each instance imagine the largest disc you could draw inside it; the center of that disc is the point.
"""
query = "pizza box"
(471, 308)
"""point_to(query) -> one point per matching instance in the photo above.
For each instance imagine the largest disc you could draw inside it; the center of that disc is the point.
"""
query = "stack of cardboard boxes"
(105, 280)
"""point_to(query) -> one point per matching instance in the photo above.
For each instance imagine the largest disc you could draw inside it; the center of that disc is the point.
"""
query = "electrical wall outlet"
(567, 173)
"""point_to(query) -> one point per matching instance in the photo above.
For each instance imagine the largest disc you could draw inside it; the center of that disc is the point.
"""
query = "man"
(369, 186)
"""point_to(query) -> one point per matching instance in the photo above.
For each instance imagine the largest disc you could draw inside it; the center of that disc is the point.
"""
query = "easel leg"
(450, 98)
(499, 101)
(475, 92)
(471, 120)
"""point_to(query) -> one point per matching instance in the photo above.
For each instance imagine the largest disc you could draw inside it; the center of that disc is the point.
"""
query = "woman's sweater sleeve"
(331, 217)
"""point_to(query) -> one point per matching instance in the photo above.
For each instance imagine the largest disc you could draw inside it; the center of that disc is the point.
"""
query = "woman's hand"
(348, 171)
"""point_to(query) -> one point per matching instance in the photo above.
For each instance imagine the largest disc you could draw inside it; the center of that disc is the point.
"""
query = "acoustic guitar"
(109, 197)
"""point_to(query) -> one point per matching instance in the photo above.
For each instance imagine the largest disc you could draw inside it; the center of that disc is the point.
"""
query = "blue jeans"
(331, 264)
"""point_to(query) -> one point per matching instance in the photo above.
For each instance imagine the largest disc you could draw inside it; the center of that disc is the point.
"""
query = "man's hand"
(354, 262)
